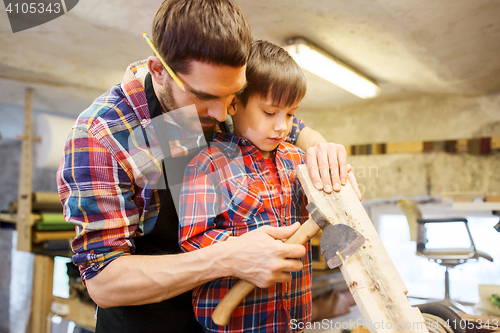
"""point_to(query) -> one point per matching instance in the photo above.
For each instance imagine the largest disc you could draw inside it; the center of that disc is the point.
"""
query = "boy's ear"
(232, 107)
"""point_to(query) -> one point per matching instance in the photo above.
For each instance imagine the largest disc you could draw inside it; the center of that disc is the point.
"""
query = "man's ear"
(157, 70)
(232, 107)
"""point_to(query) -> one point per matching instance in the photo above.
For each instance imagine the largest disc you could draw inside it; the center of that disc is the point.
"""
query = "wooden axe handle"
(242, 288)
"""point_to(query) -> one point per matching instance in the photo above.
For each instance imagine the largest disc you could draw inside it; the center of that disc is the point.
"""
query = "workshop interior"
(410, 88)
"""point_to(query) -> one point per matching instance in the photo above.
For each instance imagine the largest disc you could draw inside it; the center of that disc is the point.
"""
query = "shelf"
(476, 206)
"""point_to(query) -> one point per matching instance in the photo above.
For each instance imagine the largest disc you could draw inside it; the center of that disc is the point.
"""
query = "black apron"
(175, 314)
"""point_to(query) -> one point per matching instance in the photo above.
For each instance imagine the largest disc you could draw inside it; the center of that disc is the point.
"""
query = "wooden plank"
(370, 274)
(72, 309)
(379, 148)
(43, 274)
(474, 146)
(42, 236)
(404, 147)
(348, 150)
(10, 218)
(495, 143)
(462, 146)
(24, 219)
(492, 198)
(476, 205)
(485, 146)
(463, 196)
(360, 149)
(450, 146)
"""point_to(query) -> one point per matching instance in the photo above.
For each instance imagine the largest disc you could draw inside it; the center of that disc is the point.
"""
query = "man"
(119, 209)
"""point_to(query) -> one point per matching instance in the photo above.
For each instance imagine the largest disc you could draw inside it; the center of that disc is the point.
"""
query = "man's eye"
(269, 113)
(203, 98)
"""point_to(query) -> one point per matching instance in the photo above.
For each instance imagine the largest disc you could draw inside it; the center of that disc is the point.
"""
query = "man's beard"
(188, 123)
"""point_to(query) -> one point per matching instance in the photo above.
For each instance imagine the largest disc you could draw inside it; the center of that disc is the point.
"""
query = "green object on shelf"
(53, 221)
(495, 299)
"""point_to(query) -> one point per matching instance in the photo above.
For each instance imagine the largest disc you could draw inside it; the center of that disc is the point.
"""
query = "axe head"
(339, 241)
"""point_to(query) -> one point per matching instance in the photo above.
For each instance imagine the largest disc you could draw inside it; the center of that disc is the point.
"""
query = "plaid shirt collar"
(134, 91)
(231, 143)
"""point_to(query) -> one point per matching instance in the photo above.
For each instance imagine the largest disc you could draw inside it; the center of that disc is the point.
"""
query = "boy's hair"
(271, 71)
(211, 31)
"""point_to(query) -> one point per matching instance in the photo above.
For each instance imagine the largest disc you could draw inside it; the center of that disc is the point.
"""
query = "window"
(425, 278)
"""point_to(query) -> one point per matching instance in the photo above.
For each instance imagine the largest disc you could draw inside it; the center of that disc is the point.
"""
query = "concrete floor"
(337, 324)
(354, 318)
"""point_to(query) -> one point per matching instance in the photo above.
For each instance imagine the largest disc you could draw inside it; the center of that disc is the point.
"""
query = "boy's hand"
(260, 256)
(328, 168)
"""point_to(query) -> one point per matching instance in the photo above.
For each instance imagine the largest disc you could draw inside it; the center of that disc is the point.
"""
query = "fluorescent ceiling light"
(331, 69)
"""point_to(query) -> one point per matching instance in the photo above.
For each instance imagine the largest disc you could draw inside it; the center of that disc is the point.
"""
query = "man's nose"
(217, 110)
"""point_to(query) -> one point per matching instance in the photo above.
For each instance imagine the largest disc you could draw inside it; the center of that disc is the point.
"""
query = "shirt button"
(272, 187)
(144, 121)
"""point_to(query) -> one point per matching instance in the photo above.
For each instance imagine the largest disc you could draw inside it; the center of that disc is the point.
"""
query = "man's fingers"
(312, 167)
(325, 165)
(292, 251)
(354, 183)
(292, 265)
(263, 259)
(282, 272)
(284, 277)
(342, 163)
(279, 277)
(282, 232)
(334, 166)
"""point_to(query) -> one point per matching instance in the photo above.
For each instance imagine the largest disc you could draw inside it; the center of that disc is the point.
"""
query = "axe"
(338, 242)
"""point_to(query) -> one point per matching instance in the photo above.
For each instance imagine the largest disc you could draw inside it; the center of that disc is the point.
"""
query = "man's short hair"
(210, 31)
(271, 71)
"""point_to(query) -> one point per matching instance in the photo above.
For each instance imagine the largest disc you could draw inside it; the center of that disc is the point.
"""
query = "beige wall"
(422, 118)
(422, 174)
(425, 118)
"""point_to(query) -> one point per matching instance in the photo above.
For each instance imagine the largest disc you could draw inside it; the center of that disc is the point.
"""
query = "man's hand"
(328, 168)
(260, 256)
(327, 162)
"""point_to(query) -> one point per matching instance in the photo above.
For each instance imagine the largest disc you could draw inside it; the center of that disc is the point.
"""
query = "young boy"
(246, 180)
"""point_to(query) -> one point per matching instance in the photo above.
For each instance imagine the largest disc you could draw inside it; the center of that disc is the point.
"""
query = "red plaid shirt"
(228, 191)
(108, 176)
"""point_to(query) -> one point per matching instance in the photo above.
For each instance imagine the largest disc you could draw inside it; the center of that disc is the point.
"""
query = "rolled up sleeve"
(98, 198)
(297, 126)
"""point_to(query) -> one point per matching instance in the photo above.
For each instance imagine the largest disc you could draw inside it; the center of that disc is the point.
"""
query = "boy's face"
(263, 123)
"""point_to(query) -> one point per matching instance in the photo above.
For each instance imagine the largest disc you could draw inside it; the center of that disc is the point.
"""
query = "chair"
(447, 257)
